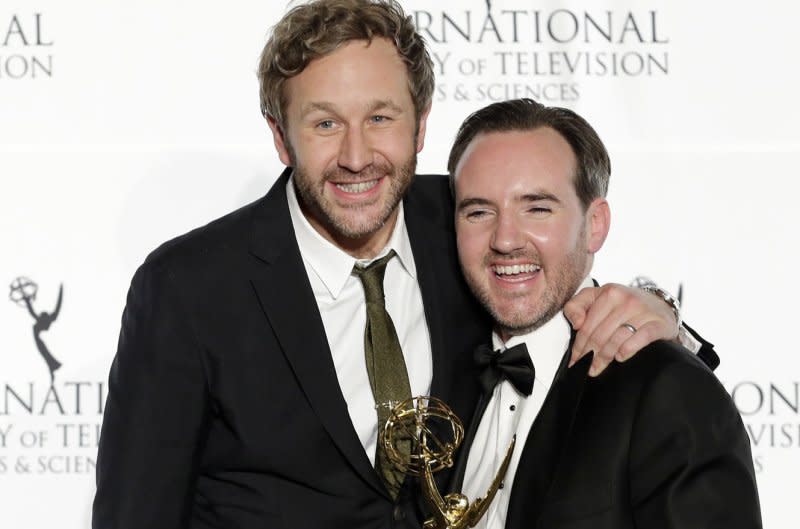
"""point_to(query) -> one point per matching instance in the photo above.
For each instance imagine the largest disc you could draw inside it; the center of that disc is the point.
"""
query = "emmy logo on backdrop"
(436, 432)
(23, 292)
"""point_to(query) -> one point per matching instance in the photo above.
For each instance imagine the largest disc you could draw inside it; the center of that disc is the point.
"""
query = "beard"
(527, 314)
(350, 221)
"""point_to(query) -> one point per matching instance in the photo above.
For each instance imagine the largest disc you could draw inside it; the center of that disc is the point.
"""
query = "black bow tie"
(513, 364)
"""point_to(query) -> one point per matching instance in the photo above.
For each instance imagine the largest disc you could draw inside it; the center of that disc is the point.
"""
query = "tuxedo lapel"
(285, 294)
(457, 481)
(544, 447)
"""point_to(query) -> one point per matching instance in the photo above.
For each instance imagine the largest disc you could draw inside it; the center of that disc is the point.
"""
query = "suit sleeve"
(153, 425)
(690, 460)
(706, 352)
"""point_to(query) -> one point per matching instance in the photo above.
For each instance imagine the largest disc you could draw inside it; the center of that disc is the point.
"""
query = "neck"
(369, 246)
(366, 246)
(506, 333)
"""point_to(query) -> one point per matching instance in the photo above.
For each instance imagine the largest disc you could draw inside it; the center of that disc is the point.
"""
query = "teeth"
(358, 187)
(516, 269)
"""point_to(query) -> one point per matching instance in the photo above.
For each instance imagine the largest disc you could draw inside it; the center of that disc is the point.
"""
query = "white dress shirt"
(511, 413)
(340, 298)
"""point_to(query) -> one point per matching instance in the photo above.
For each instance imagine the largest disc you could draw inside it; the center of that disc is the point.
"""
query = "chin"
(524, 319)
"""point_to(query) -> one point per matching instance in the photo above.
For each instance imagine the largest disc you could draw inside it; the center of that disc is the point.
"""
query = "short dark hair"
(320, 27)
(594, 165)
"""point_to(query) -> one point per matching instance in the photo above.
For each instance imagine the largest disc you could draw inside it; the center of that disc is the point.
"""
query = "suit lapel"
(288, 302)
(431, 232)
(544, 446)
(421, 220)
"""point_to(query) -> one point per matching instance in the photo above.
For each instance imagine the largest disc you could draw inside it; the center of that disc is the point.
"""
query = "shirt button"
(512, 407)
(398, 513)
(502, 484)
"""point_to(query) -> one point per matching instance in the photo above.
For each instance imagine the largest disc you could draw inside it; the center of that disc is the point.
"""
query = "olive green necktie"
(385, 365)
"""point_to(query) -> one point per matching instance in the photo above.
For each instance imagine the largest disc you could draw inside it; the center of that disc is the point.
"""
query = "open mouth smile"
(357, 187)
(513, 270)
(516, 273)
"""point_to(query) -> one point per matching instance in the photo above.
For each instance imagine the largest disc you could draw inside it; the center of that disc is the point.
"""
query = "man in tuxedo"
(653, 442)
(244, 391)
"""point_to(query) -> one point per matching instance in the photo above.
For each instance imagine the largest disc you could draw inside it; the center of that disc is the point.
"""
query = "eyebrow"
(469, 202)
(324, 106)
(538, 197)
(384, 103)
(527, 197)
(314, 106)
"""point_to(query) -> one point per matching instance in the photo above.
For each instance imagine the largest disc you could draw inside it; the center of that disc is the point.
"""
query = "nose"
(354, 152)
(508, 236)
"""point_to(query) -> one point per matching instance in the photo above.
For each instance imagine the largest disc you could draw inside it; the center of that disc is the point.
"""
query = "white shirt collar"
(546, 345)
(332, 264)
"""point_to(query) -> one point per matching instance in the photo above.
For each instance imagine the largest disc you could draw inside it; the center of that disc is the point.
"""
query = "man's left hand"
(603, 317)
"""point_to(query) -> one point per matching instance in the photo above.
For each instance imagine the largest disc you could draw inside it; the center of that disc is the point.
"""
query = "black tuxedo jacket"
(224, 409)
(654, 442)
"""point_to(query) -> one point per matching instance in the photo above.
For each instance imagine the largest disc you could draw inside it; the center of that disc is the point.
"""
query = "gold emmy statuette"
(436, 432)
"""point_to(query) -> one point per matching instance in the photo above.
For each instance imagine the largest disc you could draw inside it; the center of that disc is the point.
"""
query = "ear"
(423, 123)
(280, 141)
(598, 220)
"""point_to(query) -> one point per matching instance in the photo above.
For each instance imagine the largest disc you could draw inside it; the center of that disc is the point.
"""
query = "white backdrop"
(125, 124)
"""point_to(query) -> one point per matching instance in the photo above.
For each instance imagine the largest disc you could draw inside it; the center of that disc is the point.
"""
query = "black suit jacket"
(654, 442)
(224, 409)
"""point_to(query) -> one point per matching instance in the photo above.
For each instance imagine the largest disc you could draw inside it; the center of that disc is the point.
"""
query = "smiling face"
(352, 137)
(524, 240)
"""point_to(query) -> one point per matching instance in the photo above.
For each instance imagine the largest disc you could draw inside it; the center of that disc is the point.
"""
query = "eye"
(325, 124)
(475, 215)
(539, 211)
(379, 119)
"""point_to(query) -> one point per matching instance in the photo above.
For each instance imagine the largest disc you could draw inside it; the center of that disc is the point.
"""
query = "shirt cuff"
(687, 340)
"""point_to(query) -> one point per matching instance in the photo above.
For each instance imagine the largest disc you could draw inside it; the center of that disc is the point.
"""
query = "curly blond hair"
(315, 29)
